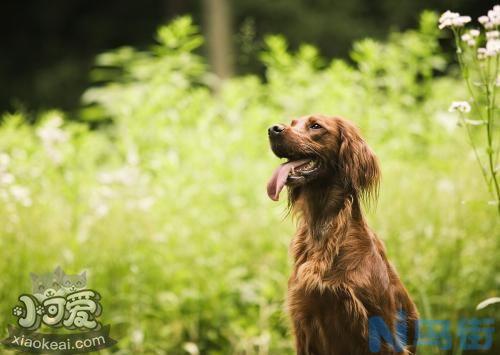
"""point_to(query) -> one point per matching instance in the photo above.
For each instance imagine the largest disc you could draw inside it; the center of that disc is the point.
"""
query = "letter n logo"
(379, 331)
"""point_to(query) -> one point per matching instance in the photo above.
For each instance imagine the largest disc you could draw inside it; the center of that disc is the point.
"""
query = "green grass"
(166, 206)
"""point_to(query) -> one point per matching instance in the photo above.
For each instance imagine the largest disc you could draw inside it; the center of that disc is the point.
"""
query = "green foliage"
(480, 67)
(166, 207)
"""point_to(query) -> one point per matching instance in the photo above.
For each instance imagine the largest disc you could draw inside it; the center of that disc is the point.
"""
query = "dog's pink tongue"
(280, 175)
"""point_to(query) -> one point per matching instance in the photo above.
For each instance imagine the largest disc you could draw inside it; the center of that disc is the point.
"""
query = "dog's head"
(320, 148)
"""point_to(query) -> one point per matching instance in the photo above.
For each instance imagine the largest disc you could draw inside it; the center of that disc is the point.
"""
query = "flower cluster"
(460, 106)
(470, 37)
(51, 132)
(493, 47)
(482, 79)
(490, 23)
(6, 178)
(452, 19)
(21, 194)
(492, 34)
(492, 19)
(8, 187)
(52, 135)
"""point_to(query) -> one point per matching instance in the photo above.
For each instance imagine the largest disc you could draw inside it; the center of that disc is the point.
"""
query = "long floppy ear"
(358, 164)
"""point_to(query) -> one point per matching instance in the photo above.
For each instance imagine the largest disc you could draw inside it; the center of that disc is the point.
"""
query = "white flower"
(68, 255)
(483, 20)
(52, 135)
(446, 19)
(460, 106)
(462, 20)
(137, 336)
(493, 47)
(474, 33)
(21, 194)
(191, 348)
(51, 132)
(448, 15)
(101, 210)
(494, 17)
(492, 34)
(6, 178)
(469, 39)
(446, 185)
(4, 161)
(126, 175)
(481, 53)
(145, 203)
(447, 120)
(466, 37)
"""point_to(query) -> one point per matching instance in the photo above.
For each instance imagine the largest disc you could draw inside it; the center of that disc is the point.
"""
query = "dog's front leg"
(301, 339)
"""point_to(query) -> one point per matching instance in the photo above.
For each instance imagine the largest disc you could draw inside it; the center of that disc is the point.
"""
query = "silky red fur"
(341, 275)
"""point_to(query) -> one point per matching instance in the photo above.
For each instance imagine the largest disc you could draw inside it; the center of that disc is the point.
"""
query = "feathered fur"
(341, 275)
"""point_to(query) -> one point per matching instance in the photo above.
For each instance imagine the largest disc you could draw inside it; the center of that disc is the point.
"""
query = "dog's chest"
(327, 319)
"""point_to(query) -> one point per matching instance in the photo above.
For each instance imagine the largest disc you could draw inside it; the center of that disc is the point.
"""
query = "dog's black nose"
(275, 130)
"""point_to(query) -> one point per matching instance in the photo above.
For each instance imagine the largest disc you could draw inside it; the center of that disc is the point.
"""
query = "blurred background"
(47, 51)
(133, 145)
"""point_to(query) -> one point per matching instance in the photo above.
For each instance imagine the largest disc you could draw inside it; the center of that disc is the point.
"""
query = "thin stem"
(465, 72)
(490, 96)
(494, 83)
(474, 149)
(490, 113)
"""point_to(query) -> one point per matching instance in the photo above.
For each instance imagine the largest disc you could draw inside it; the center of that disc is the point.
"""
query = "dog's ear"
(357, 163)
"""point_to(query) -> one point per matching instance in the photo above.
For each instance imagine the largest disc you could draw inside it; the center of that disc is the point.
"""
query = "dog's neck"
(326, 208)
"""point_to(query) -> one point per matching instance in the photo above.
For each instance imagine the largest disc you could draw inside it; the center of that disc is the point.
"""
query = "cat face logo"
(56, 283)
(59, 299)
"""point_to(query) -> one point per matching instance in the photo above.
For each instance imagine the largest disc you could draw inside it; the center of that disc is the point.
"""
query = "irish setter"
(341, 276)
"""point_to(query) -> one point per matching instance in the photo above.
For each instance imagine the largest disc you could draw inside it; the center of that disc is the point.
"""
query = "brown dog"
(341, 276)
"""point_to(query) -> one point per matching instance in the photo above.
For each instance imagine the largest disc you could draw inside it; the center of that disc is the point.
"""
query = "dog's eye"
(315, 126)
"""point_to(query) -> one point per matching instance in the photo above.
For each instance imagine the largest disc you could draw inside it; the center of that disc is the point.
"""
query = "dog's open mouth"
(291, 172)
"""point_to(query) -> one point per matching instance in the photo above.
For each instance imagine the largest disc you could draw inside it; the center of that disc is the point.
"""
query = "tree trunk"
(218, 32)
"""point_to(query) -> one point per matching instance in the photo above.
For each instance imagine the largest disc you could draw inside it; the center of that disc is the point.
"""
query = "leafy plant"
(480, 70)
(165, 205)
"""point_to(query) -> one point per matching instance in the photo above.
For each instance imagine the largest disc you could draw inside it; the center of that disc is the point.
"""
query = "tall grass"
(165, 204)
